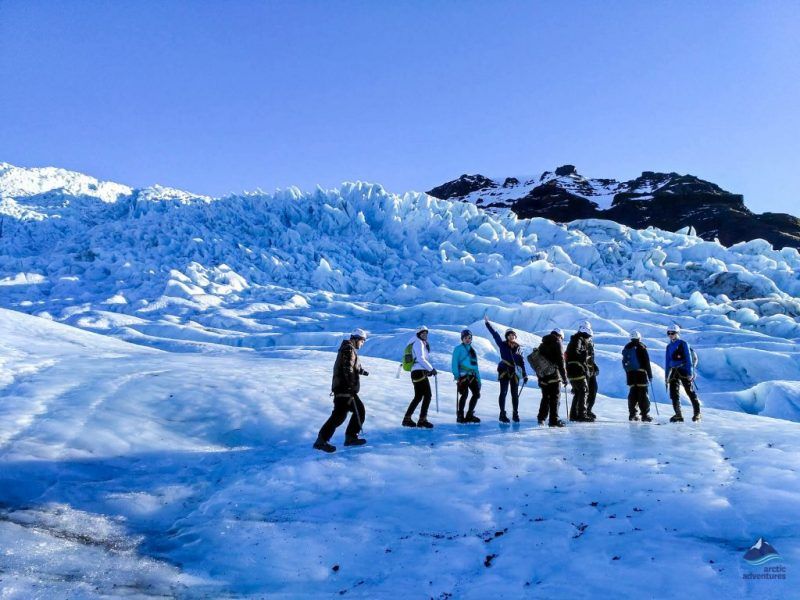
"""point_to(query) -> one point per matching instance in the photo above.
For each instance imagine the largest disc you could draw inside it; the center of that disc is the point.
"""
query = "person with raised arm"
(509, 370)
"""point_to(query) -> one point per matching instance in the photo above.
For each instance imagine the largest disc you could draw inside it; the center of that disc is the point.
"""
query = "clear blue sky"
(218, 97)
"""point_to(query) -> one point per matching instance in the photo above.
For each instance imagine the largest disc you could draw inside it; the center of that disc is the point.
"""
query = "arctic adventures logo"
(761, 553)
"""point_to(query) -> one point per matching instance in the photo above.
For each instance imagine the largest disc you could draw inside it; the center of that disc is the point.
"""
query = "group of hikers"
(552, 364)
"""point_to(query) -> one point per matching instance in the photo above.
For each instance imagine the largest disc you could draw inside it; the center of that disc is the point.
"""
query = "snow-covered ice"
(170, 456)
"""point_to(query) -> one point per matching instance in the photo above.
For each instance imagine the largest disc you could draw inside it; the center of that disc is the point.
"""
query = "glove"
(432, 373)
(364, 373)
(524, 380)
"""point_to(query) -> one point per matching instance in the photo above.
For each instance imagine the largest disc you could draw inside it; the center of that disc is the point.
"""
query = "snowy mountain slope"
(666, 200)
(177, 271)
(152, 474)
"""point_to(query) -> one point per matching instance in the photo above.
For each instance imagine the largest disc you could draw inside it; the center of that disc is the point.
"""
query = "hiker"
(636, 362)
(508, 370)
(679, 367)
(346, 383)
(552, 375)
(580, 369)
(468, 377)
(591, 377)
(421, 369)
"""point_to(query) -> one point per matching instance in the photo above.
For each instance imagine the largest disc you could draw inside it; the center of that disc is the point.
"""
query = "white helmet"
(358, 333)
(674, 328)
(586, 327)
(635, 335)
(557, 331)
(421, 328)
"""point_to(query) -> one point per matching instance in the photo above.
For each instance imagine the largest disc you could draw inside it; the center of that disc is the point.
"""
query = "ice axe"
(436, 383)
(358, 416)
(655, 400)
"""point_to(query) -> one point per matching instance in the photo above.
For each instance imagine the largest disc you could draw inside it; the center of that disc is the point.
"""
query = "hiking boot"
(460, 417)
(647, 418)
(515, 417)
(633, 417)
(408, 422)
(540, 421)
(696, 418)
(354, 440)
(425, 424)
(676, 419)
(591, 415)
(321, 444)
(471, 418)
(504, 418)
(558, 423)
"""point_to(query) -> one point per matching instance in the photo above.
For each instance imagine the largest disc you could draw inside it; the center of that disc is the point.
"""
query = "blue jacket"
(679, 356)
(465, 362)
(508, 356)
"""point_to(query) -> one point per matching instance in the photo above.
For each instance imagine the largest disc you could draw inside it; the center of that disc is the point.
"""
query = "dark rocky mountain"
(665, 200)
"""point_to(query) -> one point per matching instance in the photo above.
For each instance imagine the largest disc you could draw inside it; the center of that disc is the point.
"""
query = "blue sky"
(219, 97)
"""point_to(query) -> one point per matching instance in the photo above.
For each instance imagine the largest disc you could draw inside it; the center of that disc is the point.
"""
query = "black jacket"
(346, 370)
(580, 357)
(552, 350)
(645, 372)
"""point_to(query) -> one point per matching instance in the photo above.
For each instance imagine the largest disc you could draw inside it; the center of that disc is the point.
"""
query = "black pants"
(506, 383)
(341, 406)
(422, 393)
(591, 394)
(579, 393)
(675, 381)
(466, 385)
(551, 393)
(638, 396)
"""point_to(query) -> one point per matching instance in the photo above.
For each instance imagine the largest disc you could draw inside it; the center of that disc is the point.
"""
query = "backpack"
(694, 357)
(408, 357)
(541, 366)
(630, 359)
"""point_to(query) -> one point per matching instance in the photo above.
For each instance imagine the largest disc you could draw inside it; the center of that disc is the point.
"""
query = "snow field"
(193, 475)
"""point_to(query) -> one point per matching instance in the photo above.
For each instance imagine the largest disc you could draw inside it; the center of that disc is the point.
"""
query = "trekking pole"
(358, 416)
(436, 382)
(566, 403)
(521, 389)
(655, 400)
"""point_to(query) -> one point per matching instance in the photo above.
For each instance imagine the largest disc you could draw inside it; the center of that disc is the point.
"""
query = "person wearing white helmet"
(509, 370)
(345, 386)
(582, 373)
(552, 378)
(421, 370)
(679, 368)
(636, 362)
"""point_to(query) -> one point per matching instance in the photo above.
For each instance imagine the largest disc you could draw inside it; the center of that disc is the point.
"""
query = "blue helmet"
(465, 333)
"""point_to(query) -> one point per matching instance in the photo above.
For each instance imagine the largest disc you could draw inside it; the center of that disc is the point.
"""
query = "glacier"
(165, 365)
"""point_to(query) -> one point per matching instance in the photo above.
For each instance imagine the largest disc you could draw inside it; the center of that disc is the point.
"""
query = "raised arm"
(498, 340)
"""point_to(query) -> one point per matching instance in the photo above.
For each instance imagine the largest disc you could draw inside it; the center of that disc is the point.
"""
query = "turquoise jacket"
(465, 362)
